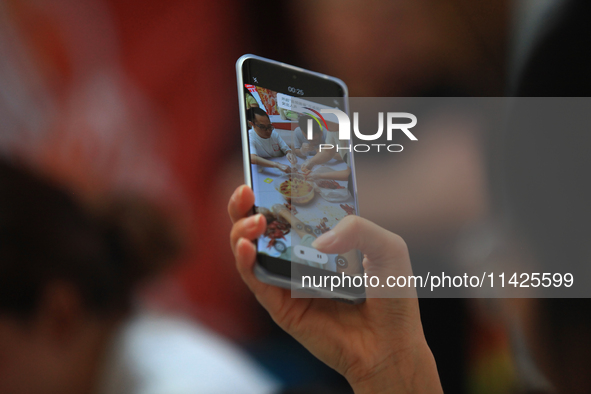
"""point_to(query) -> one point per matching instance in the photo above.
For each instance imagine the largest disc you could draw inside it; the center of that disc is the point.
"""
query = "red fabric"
(181, 54)
(179, 92)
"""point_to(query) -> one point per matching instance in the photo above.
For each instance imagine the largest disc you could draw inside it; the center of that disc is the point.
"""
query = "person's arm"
(299, 147)
(321, 157)
(284, 148)
(303, 151)
(342, 175)
(337, 157)
(291, 157)
(378, 346)
(255, 159)
(299, 153)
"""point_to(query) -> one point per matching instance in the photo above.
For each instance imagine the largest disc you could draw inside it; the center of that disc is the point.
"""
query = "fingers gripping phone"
(302, 174)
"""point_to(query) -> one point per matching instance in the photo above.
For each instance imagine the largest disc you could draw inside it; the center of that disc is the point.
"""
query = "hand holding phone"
(379, 345)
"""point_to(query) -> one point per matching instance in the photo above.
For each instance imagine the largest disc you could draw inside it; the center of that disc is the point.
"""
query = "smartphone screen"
(302, 175)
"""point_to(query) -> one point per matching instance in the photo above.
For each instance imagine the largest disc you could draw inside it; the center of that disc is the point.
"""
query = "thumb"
(354, 232)
(386, 255)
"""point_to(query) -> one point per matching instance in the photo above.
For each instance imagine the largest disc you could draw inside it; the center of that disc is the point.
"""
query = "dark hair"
(246, 91)
(303, 123)
(253, 111)
(46, 236)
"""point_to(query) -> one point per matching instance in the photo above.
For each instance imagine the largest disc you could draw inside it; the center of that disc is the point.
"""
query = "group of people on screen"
(318, 148)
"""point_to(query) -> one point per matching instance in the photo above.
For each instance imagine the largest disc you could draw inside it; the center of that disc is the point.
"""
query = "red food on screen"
(323, 227)
(349, 209)
(293, 209)
(329, 184)
(276, 230)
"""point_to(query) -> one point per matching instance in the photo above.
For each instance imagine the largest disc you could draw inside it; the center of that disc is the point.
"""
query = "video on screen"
(301, 175)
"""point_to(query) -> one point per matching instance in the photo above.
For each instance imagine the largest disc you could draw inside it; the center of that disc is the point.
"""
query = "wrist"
(415, 372)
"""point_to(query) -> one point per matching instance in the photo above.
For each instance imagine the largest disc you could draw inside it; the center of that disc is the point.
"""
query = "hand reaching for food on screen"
(292, 157)
(306, 167)
(312, 176)
(283, 167)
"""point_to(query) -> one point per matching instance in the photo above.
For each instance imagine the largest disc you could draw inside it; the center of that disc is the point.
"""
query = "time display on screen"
(291, 89)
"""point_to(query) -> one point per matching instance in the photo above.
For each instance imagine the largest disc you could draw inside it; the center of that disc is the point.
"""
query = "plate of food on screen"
(329, 189)
(295, 189)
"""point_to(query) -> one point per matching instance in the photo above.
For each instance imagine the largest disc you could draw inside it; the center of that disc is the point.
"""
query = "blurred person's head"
(389, 48)
(66, 280)
(316, 130)
(545, 172)
(260, 122)
(547, 191)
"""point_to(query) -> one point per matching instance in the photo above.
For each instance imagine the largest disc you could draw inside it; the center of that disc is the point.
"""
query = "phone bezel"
(276, 74)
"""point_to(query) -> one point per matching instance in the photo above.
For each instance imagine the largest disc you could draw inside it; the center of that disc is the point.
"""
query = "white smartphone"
(302, 175)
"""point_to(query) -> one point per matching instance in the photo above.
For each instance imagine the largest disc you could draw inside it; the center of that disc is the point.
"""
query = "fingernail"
(234, 196)
(254, 221)
(324, 240)
(238, 194)
(241, 241)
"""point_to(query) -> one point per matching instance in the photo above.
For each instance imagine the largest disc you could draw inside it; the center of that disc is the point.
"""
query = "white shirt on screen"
(300, 139)
(273, 146)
